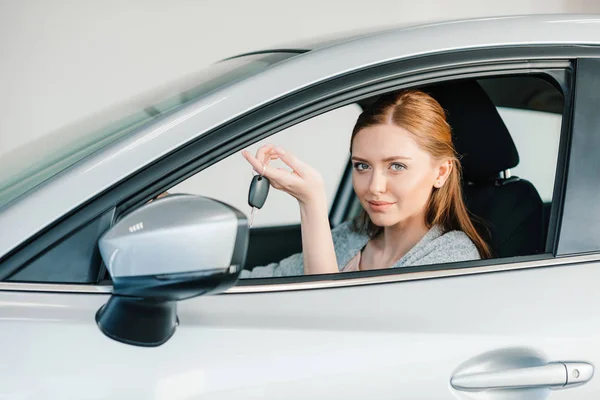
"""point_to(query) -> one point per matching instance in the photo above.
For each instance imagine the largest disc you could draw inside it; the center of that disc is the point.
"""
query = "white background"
(65, 60)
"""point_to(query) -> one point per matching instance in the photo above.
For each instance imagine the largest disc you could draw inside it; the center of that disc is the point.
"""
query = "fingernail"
(279, 150)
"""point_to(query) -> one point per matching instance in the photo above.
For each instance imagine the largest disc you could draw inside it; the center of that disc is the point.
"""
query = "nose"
(378, 182)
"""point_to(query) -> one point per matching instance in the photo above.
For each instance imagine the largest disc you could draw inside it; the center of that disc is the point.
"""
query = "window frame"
(295, 108)
(581, 213)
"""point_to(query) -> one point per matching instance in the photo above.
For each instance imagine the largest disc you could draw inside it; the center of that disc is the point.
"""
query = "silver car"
(104, 287)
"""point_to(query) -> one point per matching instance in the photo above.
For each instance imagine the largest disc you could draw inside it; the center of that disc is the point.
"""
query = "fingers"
(270, 152)
(302, 182)
(256, 164)
(282, 177)
(264, 153)
(299, 167)
(279, 177)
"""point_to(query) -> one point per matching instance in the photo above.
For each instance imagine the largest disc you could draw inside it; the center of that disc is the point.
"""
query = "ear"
(443, 172)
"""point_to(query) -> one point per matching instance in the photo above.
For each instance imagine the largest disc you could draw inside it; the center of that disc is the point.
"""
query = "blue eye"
(360, 166)
(397, 167)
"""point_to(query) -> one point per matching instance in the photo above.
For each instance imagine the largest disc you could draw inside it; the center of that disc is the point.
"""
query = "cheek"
(360, 182)
(412, 185)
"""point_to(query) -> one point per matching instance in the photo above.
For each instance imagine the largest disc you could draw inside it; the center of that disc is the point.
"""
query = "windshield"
(31, 164)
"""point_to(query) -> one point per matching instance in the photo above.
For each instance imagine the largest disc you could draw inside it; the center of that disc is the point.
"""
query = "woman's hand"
(306, 185)
(303, 182)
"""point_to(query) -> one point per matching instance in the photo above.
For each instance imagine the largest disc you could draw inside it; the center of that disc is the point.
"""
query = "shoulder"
(438, 247)
(344, 230)
(347, 242)
(456, 246)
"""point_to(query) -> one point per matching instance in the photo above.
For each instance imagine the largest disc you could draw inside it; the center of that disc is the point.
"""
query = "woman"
(406, 175)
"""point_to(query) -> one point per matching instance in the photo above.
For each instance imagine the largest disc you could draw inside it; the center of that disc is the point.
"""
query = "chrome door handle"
(554, 375)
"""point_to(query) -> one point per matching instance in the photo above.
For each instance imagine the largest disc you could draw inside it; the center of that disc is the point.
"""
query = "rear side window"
(536, 135)
(531, 108)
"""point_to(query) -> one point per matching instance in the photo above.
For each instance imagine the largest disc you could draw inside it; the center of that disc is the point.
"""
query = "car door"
(386, 335)
(505, 330)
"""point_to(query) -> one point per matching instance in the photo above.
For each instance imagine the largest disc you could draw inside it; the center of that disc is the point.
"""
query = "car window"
(536, 135)
(511, 204)
(322, 141)
(515, 210)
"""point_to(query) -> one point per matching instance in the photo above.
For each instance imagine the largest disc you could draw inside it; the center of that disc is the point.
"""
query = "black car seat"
(509, 210)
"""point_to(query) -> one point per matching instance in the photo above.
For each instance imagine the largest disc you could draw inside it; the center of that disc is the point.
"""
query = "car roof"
(326, 59)
(562, 22)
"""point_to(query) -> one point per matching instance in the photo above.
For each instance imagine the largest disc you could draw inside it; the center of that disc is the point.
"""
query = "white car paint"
(410, 338)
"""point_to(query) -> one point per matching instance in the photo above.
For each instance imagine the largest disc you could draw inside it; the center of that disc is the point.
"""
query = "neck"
(397, 240)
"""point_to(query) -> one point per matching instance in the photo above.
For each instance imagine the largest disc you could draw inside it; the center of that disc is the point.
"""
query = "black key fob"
(259, 190)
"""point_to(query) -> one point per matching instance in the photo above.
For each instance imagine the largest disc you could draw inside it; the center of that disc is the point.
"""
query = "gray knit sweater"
(434, 248)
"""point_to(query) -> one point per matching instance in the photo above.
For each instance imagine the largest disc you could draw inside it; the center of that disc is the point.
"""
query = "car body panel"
(118, 160)
(398, 340)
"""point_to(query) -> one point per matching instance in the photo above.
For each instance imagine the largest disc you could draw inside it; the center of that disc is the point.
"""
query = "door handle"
(555, 375)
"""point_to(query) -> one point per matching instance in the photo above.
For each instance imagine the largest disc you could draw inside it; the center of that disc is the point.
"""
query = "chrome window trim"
(325, 283)
(54, 288)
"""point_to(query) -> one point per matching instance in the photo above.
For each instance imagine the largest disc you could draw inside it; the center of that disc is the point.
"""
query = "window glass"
(31, 164)
(536, 135)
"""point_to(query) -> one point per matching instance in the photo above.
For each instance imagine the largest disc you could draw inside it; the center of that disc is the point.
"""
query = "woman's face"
(392, 176)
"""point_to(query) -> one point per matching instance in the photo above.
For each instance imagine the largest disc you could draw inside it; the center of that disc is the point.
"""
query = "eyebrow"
(385, 159)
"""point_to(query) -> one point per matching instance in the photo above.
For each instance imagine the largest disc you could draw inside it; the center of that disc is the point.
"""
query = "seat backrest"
(508, 210)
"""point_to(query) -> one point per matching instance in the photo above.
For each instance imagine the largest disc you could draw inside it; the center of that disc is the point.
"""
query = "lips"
(380, 205)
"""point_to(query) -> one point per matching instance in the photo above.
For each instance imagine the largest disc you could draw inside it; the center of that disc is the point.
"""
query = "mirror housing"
(171, 249)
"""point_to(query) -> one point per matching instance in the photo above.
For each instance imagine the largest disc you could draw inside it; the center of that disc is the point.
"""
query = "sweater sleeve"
(294, 264)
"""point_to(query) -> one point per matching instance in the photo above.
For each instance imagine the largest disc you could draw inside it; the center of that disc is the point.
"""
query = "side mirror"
(171, 249)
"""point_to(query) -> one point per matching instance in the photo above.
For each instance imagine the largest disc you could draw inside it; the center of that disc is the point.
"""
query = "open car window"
(528, 118)
(323, 141)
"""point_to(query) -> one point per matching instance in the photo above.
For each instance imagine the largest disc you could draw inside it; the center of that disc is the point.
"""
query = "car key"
(259, 189)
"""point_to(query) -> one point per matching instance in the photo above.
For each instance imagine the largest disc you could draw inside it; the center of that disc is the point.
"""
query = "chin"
(383, 220)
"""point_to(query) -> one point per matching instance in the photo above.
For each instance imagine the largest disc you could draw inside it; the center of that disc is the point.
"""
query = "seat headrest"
(480, 136)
